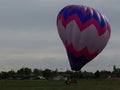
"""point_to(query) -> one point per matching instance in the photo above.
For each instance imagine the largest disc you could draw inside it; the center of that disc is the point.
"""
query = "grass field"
(83, 84)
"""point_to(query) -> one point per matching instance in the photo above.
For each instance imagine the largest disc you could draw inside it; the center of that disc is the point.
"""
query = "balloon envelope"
(84, 32)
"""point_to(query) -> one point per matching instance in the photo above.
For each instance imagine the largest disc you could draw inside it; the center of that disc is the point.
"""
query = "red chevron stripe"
(84, 51)
(82, 26)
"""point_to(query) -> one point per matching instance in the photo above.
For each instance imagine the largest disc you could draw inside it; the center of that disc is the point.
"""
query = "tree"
(47, 73)
(37, 72)
(105, 74)
(97, 74)
(88, 74)
(11, 74)
(79, 74)
(116, 72)
(23, 72)
(114, 68)
(4, 75)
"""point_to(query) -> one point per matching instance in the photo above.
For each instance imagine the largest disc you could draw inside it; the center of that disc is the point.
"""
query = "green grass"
(83, 84)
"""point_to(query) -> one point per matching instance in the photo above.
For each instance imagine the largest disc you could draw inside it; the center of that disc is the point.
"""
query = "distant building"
(60, 77)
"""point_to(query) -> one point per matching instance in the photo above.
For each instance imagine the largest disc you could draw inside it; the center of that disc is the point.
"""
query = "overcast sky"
(29, 37)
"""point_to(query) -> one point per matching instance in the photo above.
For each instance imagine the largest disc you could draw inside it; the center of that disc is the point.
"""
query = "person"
(70, 81)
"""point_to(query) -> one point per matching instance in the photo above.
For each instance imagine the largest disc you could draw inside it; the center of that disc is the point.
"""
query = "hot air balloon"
(84, 32)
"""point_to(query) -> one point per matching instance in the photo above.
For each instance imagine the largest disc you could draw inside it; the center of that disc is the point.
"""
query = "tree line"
(27, 73)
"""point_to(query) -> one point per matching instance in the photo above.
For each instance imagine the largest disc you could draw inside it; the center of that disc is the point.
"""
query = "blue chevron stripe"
(83, 18)
(82, 60)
